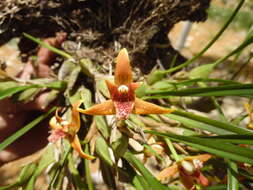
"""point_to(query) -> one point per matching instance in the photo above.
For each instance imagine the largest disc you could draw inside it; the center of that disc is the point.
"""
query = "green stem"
(87, 170)
(25, 129)
(216, 37)
(58, 170)
(172, 149)
(46, 45)
(235, 51)
(232, 183)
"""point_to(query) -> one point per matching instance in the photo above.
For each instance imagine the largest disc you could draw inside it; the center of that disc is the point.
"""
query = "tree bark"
(104, 26)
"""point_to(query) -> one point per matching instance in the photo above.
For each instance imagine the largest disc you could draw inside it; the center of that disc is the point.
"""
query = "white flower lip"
(123, 89)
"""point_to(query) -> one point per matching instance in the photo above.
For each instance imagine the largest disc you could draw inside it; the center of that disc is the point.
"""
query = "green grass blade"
(172, 149)
(57, 85)
(218, 124)
(193, 124)
(245, 90)
(102, 150)
(25, 129)
(235, 139)
(140, 183)
(203, 80)
(11, 186)
(11, 91)
(48, 158)
(58, 170)
(25, 174)
(150, 179)
(46, 45)
(232, 176)
(216, 187)
(77, 178)
(87, 170)
(102, 126)
(152, 151)
(216, 147)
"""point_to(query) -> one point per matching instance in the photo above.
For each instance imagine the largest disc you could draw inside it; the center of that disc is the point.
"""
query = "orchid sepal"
(122, 93)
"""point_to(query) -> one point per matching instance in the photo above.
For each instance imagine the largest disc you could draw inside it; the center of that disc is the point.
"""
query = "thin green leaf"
(102, 150)
(203, 80)
(227, 150)
(86, 97)
(235, 139)
(46, 45)
(57, 171)
(108, 175)
(193, 124)
(57, 85)
(232, 176)
(218, 124)
(87, 169)
(150, 179)
(215, 38)
(216, 187)
(11, 186)
(120, 146)
(244, 90)
(13, 90)
(27, 94)
(140, 183)
(78, 182)
(102, 87)
(24, 175)
(172, 149)
(230, 128)
(152, 151)
(246, 174)
(47, 158)
(25, 129)
(102, 126)
(7, 84)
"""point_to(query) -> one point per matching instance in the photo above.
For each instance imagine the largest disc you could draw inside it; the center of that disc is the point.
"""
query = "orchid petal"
(111, 87)
(143, 107)
(135, 85)
(168, 172)
(203, 180)
(123, 71)
(57, 117)
(105, 108)
(202, 157)
(75, 118)
(75, 143)
(187, 180)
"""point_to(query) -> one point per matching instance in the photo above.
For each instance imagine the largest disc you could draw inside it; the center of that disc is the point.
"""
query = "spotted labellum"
(123, 101)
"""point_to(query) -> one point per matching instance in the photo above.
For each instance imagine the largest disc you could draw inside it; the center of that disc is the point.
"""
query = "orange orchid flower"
(123, 101)
(63, 129)
(189, 171)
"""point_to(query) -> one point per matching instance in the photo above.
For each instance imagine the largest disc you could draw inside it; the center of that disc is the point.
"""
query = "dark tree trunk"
(104, 26)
